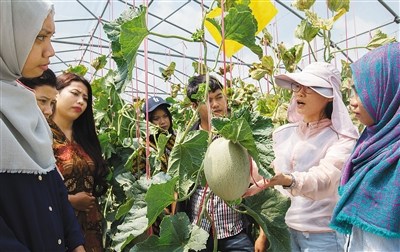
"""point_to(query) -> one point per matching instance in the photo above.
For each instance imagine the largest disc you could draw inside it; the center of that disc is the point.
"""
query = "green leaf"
(303, 5)
(124, 209)
(346, 70)
(238, 131)
(306, 31)
(258, 70)
(99, 62)
(292, 56)
(126, 34)
(199, 68)
(257, 73)
(176, 234)
(380, 39)
(262, 128)
(321, 23)
(240, 26)
(269, 208)
(336, 5)
(158, 197)
(134, 222)
(267, 38)
(186, 158)
(168, 72)
(133, 33)
(198, 35)
(80, 70)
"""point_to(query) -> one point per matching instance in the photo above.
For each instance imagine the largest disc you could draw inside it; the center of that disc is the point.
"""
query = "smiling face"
(46, 99)
(39, 56)
(310, 104)
(72, 101)
(358, 109)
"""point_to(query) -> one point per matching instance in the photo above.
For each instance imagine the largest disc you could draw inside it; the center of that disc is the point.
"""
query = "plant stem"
(312, 51)
(171, 36)
(351, 48)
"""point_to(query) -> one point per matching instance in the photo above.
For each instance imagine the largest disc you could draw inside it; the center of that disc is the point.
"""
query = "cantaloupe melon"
(227, 169)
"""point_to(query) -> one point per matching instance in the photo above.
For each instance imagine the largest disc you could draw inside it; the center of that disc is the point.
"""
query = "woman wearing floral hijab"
(35, 214)
(369, 207)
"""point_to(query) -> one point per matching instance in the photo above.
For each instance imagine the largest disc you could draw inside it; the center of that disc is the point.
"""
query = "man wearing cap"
(309, 154)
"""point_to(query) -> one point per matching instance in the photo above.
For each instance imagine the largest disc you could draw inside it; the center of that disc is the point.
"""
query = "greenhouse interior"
(224, 125)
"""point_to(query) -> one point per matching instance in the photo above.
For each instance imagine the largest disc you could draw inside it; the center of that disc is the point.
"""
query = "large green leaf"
(176, 235)
(262, 129)
(269, 208)
(126, 34)
(186, 158)
(240, 26)
(134, 221)
(133, 33)
(158, 197)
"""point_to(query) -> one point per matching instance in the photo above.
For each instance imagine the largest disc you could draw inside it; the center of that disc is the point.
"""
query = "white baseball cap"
(322, 77)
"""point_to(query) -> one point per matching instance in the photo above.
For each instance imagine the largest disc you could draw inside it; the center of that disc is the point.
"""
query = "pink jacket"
(315, 154)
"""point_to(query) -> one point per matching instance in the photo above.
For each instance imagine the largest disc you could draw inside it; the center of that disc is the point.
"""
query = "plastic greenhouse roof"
(80, 37)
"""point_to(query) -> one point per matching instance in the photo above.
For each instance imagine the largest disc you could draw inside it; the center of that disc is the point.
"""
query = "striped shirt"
(227, 221)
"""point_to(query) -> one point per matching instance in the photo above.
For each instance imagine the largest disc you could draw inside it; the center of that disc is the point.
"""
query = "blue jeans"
(364, 241)
(239, 242)
(328, 241)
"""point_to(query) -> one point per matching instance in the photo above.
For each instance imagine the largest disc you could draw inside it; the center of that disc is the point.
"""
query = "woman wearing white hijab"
(35, 214)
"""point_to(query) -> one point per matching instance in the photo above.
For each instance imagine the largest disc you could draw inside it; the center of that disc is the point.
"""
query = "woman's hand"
(82, 201)
(278, 179)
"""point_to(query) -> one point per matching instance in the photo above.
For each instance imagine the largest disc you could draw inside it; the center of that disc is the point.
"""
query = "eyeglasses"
(297, 87)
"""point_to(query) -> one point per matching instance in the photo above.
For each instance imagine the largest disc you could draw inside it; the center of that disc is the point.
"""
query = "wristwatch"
(291, 184)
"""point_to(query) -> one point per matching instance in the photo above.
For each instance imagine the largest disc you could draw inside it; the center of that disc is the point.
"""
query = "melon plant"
(227, 169)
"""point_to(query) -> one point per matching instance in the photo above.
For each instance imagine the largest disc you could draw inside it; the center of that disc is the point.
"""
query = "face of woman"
(161, 119)
(39, 56)
(46, 99)
(358, 109)
(72, 101)
(310, 104)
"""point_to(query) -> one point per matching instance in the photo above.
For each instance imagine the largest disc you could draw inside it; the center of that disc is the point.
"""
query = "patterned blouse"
(78, 168)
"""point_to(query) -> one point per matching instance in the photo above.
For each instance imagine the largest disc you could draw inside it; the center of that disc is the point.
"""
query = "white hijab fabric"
(321, 75)
(25, 137)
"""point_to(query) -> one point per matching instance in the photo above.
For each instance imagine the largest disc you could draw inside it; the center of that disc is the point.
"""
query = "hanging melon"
(227, 169)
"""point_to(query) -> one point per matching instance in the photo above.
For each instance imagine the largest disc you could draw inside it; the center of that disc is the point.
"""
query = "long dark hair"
(48, 78)
(84, 133)
(328, 110)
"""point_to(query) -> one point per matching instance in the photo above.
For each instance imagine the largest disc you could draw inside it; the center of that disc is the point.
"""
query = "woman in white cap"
(35, 214)
(309, 155)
